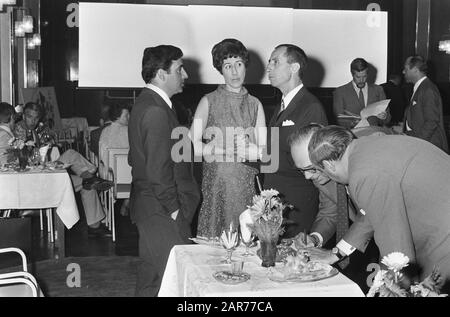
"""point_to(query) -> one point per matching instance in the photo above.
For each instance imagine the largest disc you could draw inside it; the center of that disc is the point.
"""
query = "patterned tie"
(361, 99)
(281, 109)
(342, 218)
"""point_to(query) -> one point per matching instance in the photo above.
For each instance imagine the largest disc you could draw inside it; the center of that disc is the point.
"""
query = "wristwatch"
(315, 240)
(336, 252)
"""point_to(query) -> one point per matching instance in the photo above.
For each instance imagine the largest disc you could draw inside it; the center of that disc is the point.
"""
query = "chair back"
(121, 171)
(19, 283)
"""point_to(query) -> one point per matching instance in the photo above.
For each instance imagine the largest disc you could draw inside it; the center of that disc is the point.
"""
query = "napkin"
(245, 219)
(43, 152)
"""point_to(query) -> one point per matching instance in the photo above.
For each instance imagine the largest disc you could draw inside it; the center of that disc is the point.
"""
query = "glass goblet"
(248, 243)
(229, 240)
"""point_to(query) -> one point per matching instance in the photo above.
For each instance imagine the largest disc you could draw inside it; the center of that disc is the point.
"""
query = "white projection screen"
(113, 36)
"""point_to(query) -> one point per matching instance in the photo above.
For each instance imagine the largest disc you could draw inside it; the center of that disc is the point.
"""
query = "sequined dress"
(227, 187)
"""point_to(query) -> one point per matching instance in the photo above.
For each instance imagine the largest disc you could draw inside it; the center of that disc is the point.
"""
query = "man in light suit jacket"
(324, 226)
(406, 202)
(298, 108)
(164, 194)
(423, 117)
(351, 98)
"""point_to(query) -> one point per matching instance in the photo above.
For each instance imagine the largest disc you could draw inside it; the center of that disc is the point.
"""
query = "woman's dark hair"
(158, 57)
(226, 49)
(116, 109)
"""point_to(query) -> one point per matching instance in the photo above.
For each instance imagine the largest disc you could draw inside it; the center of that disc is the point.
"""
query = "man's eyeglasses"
(310, 169)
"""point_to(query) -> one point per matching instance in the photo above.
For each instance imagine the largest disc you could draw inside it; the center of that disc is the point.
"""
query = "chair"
(20, 283)
(120, 174)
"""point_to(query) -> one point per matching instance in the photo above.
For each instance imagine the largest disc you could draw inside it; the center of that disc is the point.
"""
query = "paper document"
(374, 109)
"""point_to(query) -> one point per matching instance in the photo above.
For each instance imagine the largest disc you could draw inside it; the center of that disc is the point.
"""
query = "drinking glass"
(248, 243)
(229, 240)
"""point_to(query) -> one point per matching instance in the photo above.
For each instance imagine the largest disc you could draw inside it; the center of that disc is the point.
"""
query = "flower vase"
(23, 159)
(268, 252)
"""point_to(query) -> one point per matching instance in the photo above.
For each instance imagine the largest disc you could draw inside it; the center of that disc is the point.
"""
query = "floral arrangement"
(19, 149)
(393, 283)
(267, 215)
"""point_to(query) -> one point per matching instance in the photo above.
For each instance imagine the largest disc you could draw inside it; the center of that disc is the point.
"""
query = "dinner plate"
(283, 274)
(227, 277)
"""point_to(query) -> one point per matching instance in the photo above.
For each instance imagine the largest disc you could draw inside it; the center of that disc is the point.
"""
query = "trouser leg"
(157, 235)
(78, 163)
(92, 206)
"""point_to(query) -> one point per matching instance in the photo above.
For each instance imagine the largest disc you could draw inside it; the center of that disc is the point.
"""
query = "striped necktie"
(281, 109)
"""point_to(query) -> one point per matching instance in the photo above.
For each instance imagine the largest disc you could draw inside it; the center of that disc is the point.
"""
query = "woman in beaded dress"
(229, 128)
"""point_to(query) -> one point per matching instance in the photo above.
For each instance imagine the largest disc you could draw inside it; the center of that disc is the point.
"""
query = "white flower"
(378, 281)
(395, 261)
(269, 193)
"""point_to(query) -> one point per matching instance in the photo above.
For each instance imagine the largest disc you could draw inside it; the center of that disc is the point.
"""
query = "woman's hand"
(246, 150)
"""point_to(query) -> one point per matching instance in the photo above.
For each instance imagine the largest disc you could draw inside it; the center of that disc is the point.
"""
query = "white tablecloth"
(190, 268)
(40, 189)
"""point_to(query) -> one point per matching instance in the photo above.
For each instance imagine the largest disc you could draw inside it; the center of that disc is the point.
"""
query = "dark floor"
(78, 242)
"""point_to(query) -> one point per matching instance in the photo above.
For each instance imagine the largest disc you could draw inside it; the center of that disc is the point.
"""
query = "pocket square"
(414, 102)
(287, 123)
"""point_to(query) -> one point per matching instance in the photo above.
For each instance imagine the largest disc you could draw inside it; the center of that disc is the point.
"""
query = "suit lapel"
(291, 107)
(352, 94)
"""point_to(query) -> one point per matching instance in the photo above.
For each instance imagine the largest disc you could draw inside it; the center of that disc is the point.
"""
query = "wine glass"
(248, 243)
(229, 240)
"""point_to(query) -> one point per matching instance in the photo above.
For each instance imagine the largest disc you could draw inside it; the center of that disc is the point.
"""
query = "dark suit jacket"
(424, 115)
(345, 98)
(160, 185)
(398, 101)
(304, 109)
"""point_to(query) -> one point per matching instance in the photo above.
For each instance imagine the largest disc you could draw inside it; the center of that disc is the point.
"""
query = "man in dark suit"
(423, 117)
(392, 90)
(298, 108)
(351, 98)
(164, 194)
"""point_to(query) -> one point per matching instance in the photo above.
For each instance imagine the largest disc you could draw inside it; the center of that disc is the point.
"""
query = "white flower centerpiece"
(20, 151)
(392, 282)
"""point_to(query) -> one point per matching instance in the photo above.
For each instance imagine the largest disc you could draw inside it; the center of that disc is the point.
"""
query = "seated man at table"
(6, 128)
(84, 180)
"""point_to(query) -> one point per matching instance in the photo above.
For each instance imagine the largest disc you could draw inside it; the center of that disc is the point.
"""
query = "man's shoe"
(97, 183)
(99, 231)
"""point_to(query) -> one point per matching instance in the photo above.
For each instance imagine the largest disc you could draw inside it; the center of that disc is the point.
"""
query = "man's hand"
(382, 115)
(323, 256)
(303, 240)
